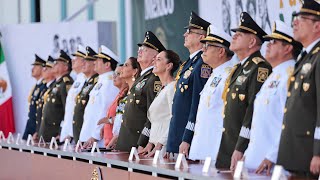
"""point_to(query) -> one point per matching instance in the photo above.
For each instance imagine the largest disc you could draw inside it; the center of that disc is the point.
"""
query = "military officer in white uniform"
(101, 97)
(77, 64)
(282, 50)
(209, 122)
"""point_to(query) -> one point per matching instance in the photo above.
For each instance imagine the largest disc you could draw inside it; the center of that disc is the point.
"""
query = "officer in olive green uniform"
(83, 96)
(299, 149)
(240, 90)
(135, 129)
(48, 76)
(54, 100)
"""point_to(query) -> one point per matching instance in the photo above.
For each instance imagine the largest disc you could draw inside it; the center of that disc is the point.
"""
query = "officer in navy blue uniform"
(191, 77)
(34, 95)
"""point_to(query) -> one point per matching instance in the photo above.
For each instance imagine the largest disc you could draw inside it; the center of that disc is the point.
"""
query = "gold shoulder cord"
(224, 94)
(30, 94)
(178, 75)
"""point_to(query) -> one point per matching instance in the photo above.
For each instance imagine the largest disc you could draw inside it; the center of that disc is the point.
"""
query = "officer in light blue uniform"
(34, 95)
(191, 77)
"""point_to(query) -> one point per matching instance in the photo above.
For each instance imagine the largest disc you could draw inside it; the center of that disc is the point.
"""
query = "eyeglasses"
(301, 18)
(206, 45)
(142, 48)
(190, 32)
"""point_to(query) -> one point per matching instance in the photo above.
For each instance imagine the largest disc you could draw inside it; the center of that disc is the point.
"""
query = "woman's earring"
(133, 78)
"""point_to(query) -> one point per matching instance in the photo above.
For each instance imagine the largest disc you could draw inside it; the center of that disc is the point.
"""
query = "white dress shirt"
(159, 114)
(267, 117)
(209, 121)
(66, 124)
(101, 97)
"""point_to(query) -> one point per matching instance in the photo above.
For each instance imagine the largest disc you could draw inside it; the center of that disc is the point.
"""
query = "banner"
(166, 19)
(6, 108)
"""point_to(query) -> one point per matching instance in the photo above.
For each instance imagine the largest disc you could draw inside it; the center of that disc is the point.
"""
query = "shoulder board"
(257, 60)
(316, 50)
(66, 79)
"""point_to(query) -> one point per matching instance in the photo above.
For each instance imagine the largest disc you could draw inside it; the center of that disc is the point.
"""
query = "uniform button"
(225, 103)
(292, 79)
(237, 89)
(228, 89)
(134, 94)
(285, 110)
(289, 94)
(41, 118)
(36, 122)
(283, 126)
(301, 77)
(54, 124)
(138, 132)
(73, 122)
(223, 129)
(194, 134)
(308, 132)
(223, 116)
(36, 114)
(121, 121)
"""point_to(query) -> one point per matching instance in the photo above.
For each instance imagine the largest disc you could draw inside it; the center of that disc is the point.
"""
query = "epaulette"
(66, 79)
(257, 60)
(316, 50)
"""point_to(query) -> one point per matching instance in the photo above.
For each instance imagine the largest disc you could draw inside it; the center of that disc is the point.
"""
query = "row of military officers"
(263, 110)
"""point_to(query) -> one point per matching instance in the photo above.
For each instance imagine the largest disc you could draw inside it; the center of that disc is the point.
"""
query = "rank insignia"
(157, 86)
(246, 72)
(273, 84)
(305, 86)
(306, 68)
(262, 74)
(205, 71)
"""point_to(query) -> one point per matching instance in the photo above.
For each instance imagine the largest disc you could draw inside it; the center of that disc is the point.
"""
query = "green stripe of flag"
(1, 55)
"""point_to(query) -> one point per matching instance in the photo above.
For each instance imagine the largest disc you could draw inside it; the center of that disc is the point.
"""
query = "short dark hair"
(296, 48)
(173, 58)
(135, 65)
(113, 64)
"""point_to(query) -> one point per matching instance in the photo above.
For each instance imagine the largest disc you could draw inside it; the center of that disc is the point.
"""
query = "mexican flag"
(6, 108)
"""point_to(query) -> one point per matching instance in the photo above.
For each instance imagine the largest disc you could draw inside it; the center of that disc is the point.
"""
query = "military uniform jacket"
(100, 98)
(81, 102)
(33, 101)
(66, 129)
(267, 116)
(191, 78)
(135, 129)
(300, 137)
(209, 122)
(40, 102)
(53, 108)
(239, 94)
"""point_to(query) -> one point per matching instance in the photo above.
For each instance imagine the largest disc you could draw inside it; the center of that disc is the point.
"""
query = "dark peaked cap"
(248, 25)
(196, 22)
(152, 41)
(64, 57)
(50, 62)
(90, 54)
(309, 7)
(38, 61)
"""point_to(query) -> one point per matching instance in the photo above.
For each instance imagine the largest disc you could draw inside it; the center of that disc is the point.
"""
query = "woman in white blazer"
(159, 112)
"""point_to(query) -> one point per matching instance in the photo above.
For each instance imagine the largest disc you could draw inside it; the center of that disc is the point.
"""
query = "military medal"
(36, 92)
(305, 86)
(242, 96)
(187, 74)
(233, 95)
(306, 68)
